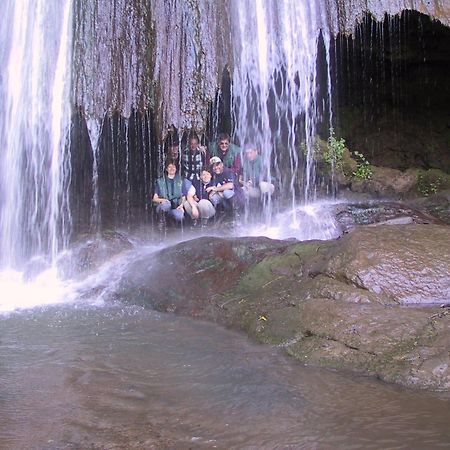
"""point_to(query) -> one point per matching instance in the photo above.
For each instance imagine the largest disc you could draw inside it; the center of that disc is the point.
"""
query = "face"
(193, 144)
(171, 170)
(174, 152)
(206, 176)
(218, 168)
(251, 154)
(224, 144)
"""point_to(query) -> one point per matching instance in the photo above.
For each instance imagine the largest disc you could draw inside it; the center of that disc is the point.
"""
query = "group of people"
(201, 181)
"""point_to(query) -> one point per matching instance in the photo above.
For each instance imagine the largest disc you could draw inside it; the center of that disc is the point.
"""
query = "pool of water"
(113, 377)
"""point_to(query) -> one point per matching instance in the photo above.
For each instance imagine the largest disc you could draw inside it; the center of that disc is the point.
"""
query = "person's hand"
(180, 206)
(211, 189)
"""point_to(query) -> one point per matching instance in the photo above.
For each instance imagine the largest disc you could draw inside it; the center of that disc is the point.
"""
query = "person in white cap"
(225, 189)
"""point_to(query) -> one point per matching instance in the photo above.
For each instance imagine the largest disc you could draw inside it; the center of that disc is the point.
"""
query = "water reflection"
(115, 377)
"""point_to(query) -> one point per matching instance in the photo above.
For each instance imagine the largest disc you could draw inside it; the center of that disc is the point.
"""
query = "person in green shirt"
(171, 191)
(253, 178)
(229, 153)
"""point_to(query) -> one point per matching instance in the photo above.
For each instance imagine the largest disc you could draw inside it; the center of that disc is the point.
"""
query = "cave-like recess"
(390, 97)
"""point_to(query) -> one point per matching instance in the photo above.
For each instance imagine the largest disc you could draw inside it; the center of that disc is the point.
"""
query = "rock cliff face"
(351, 12)
(170, 55)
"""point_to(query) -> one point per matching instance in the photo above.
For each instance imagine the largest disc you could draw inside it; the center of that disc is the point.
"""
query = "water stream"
(115, 376)
(35, 113)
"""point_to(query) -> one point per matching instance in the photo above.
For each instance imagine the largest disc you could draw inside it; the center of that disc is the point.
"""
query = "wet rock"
(437, 205)
(380, 213)
(387, 183)
(409, 264)
(88, 254)
(183, 278)
(334, 303)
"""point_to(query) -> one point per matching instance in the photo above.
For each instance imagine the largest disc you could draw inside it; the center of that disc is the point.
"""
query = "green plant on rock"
(304, 148)
(363, 170)
(428, 185)
(335, 150)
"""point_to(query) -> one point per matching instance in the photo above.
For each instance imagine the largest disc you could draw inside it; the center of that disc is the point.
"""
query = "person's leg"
(228, 195)
(188, 208)
(206, 209)
(216, 199)
(163, 207)
(266, 188)
(252, 192)
(177, 214)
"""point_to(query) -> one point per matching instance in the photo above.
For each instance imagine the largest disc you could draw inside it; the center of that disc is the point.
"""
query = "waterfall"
(275, 87)
(35, 55)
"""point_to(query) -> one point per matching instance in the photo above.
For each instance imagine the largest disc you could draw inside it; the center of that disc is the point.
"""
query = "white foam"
(304, 223)
(45, 289)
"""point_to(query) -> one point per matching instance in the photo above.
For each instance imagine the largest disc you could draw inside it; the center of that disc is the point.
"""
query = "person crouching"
(170, 193)
(225, 189)
(198, 205)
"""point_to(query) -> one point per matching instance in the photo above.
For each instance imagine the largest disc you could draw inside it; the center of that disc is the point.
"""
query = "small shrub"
(428, 185)
(363, 170)
(335, 150)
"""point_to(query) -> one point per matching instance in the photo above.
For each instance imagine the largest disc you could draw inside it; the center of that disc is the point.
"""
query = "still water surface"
(116, 377)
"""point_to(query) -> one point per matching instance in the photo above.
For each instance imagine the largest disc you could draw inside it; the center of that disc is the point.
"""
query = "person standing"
(194, 159)
(229, 153)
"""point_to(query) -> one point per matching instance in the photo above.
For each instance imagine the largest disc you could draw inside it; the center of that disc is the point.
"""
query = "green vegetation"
(335, 150)
(363, 170)
(428, 183)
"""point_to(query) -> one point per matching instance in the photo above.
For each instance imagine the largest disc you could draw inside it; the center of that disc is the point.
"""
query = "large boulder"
(340, 303)
(408, 264)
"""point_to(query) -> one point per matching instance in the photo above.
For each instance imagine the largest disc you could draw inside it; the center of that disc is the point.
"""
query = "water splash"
(35, 111)
(314, 221)
(46, 289)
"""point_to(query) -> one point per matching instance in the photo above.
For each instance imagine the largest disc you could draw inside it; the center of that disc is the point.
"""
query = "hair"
(223, 137)
(250, 146)
(169, 162)
(193, 135)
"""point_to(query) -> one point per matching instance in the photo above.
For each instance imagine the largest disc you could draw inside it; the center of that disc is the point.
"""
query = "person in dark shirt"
(225, 189)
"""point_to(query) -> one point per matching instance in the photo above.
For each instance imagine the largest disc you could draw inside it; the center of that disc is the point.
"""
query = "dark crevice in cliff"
(391, 90)
(126, 167)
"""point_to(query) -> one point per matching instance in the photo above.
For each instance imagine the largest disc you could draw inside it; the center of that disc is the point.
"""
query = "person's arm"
(157, 199)
(221, 188)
